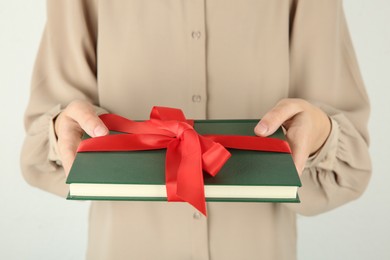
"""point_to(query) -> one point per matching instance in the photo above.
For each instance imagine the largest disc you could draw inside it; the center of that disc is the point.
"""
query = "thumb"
(276, 117)
(262, 128)
(84, 114)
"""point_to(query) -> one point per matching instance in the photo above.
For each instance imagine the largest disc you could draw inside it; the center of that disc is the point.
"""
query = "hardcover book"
(248, 176)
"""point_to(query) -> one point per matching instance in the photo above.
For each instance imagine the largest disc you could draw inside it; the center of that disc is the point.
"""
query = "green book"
(248, 176)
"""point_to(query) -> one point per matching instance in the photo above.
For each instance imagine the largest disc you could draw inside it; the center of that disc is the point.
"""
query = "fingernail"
(100, 131)
(261, 128)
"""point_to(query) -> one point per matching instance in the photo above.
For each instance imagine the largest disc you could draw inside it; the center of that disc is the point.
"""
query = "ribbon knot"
(176, 128)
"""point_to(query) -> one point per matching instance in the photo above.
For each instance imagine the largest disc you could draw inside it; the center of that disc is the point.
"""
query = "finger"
(282, 112)
(298, 136)
(84, 114)
(68, 141)
(299, 144)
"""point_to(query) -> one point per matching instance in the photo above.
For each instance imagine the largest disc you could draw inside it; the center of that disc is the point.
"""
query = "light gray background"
(37, 225)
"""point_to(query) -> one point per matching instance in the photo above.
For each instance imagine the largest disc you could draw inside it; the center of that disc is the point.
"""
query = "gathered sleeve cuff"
(335, 175)
(64, 70)
(325, 72)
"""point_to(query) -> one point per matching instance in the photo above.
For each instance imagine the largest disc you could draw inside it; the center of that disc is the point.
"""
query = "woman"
(289, 62)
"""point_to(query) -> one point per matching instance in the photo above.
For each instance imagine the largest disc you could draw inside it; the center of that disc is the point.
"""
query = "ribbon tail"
(190, 184)
(172, 163)
(183, 177)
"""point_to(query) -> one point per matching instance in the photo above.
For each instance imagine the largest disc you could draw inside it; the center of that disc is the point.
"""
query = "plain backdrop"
(38, 225)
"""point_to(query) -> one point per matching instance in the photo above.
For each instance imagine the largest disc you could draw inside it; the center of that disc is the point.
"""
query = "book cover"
(253, 176)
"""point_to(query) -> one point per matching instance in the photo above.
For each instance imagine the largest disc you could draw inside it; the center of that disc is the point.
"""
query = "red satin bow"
(188, 153)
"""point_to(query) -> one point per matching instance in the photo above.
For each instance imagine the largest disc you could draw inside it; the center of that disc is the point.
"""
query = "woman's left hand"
(307, 127)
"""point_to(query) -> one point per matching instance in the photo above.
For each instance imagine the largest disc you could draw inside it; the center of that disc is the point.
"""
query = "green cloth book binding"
(248, 176)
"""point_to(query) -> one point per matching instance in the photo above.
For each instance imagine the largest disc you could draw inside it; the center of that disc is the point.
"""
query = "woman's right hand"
(69, 125)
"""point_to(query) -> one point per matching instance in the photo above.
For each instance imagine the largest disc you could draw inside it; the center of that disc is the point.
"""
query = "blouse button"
(196, 34)
(196, 215)
(196, 98)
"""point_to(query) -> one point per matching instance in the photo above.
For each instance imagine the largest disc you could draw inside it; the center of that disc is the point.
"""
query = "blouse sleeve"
(65, 70)
(324, 71)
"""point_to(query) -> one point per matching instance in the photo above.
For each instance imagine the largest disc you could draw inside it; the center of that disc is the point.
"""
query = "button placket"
(196, 35)
(197, 57)
(199, 234)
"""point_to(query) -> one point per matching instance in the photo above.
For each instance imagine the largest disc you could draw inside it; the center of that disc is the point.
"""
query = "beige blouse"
(214, 59)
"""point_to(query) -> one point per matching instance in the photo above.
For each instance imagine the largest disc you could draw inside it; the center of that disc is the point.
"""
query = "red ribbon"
(188, 153)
